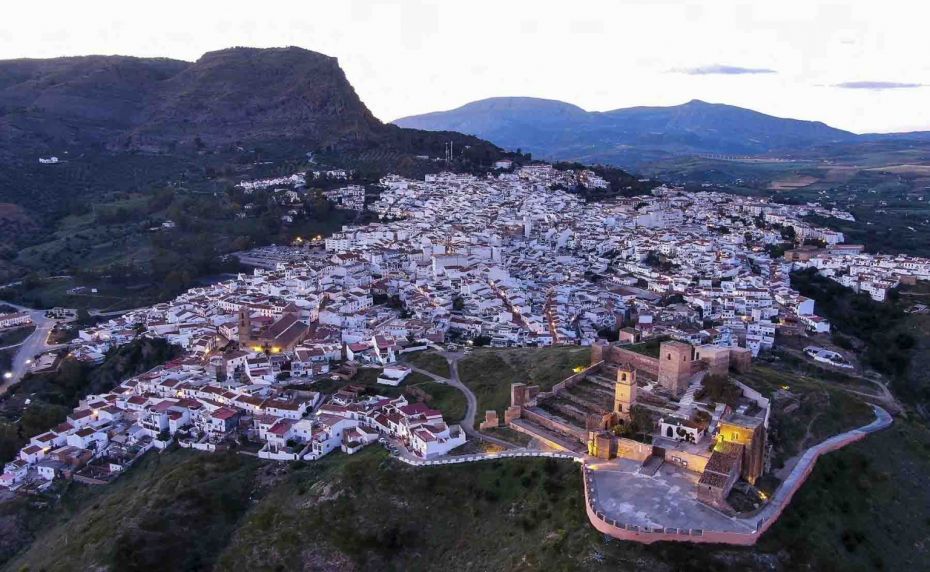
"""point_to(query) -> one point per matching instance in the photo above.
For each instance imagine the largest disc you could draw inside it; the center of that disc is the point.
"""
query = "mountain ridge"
(632, 135)
(151, 104)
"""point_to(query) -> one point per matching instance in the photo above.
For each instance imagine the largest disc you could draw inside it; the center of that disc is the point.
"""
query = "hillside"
(624, 137)
(126, 129)
(228, 96)
(286, 101)
(369, 512)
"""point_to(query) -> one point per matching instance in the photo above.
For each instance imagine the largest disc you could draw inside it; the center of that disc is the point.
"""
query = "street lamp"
(8, 375)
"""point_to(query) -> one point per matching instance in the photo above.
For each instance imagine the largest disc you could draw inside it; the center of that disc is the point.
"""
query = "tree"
(481, 340)
(83, 317)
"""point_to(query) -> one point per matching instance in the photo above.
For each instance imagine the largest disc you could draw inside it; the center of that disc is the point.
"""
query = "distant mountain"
(627, 137)
(512, 122)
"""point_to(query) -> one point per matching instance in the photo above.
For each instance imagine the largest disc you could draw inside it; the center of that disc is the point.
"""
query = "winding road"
(467, 422)
(35, 344)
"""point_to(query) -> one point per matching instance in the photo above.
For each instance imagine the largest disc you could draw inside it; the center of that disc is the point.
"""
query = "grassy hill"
(490, 372)
(173, 511)
(864, 508)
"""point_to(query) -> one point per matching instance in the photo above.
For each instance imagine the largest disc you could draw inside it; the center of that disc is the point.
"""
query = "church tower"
(245, 327)
(625, 392)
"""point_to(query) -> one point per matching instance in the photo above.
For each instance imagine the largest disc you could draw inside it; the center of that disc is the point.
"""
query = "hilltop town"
(687, 285)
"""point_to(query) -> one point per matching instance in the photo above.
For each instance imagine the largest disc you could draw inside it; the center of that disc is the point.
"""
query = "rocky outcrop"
(231, 96)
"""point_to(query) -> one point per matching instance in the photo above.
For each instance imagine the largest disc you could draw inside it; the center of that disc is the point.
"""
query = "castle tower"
(625, 392)
(675, 359)
(245, 327)
(517, 394)
(599, 350)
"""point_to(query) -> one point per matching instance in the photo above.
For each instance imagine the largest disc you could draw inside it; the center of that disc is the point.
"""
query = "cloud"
(878, 85)
(722, 70)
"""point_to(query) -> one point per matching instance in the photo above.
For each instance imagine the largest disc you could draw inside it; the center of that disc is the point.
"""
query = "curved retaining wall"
(765, 518)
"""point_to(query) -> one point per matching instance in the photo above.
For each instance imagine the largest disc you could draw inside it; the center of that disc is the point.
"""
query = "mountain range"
(122, 123)
(230, 97)
(631, 136)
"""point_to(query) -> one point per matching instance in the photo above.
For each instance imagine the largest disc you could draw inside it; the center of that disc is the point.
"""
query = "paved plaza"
(664, 500)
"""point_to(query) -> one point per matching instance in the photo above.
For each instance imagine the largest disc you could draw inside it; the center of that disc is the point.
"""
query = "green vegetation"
(15, 336)
(445, 398)
(805, 410)
(172, 512)
(719, 389)
(429, 361)
(372, 513)
(6, 359)
(865, 507)
(892, 338)
(883, 185)
(52, 396)
(490, 372)
(620, 183)
(648, 348)
(120, 249)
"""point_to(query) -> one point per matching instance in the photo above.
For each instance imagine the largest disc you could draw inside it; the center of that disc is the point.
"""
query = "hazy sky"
(859, 65)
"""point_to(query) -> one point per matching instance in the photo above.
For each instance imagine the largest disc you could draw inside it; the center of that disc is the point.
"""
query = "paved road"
(468, 422)
(31, 346)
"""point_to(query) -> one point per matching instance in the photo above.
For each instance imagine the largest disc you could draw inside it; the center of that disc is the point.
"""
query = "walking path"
(468, 422)
(686, 404)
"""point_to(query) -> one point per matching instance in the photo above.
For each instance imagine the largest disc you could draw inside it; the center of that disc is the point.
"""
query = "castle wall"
(571, 381)
(740, 359)
(687, 460)
(765, 517)
(549, 423)
(717, 359)
(675, 365)
(630, 449)
(647, 364)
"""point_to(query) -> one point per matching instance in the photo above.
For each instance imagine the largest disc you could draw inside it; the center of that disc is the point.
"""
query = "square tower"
(245, 327)
(625, 392)
(675, 362)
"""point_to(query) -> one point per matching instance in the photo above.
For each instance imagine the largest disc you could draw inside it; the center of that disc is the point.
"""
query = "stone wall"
(555, 425)
(762, 520)
(740, 359)
(647, 364)
(630, 449)
(511, 413)
(570, 381)
(717, 359)
(676, 363)
(491, 420)
(687, 460)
